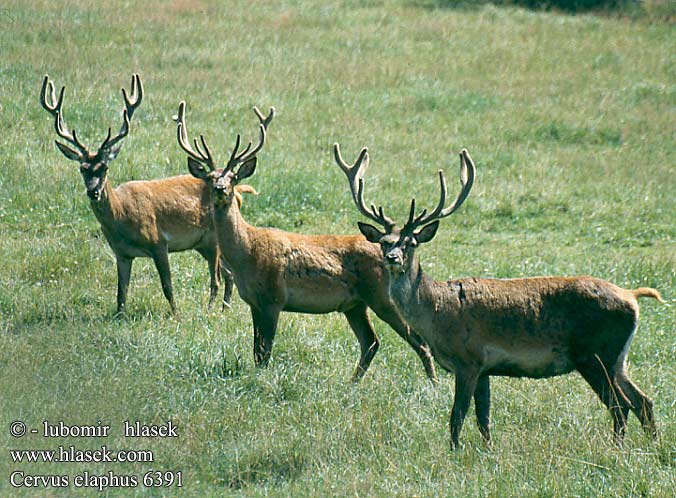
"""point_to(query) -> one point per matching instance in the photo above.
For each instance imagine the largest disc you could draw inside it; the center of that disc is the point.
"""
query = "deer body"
(301, 273)
(143, 218)
(530, 327)
(279, 271)
(138, 216)
(156, 217)
(516, 327)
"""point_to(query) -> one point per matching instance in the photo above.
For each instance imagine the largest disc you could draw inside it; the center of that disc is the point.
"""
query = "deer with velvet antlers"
(143, 218)
(527, 327)
(278, 271)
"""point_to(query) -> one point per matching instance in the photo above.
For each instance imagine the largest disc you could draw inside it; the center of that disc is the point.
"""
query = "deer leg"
(265, 327)
(415, 341)
(600, 380)
(123, 275)
(641, 405)
(465, 386)
(228, 280)
(482, 404)
(161, 259)
(368, 341)
(214, 278)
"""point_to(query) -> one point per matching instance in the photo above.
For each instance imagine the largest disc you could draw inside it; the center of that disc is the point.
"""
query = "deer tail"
(243, 189)
(647, 292)
(246, 189)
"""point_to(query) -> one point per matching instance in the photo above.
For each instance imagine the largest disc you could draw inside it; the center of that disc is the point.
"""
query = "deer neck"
(412, 292)
(109, 207)
(233, 233)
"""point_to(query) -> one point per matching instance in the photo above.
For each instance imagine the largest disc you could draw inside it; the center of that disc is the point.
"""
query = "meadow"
(570, 120)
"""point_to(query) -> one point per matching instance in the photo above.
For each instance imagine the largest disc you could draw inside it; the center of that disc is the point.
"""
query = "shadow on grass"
(82, 312)
(202, 365)
(271, 467)
(567, 6)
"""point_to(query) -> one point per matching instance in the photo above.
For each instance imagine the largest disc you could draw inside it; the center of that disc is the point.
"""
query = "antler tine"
(233, 156)
(261, 142)
(422, 219)
(134, 101)
(467, 173)
(207, 152)
(182, 135)
(246, 149)
(124, 131)
(413, 220)
(359, 201)
(246, 154)
(265, 121)
(130, 106)
(355, 176)
(411, 212)
(53, 106)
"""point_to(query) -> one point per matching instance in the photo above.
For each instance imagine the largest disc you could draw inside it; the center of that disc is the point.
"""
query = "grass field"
(571, 122)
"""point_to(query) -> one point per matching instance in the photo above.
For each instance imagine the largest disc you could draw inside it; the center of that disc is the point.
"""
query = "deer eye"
(100, 167)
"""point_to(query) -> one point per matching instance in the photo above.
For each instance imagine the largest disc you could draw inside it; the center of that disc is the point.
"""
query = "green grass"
(570, 120)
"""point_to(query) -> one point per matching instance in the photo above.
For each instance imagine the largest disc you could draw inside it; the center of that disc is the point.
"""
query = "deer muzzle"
(394, 259)
(94, 190)
(94, 194)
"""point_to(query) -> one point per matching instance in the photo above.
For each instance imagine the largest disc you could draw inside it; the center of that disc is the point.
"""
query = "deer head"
(201, 164)
(398, 244)
(93, 166)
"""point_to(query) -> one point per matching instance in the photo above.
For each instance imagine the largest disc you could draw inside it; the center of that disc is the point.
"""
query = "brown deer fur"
(278, 271)
(309, 274)
(156, 217)
(528, 327)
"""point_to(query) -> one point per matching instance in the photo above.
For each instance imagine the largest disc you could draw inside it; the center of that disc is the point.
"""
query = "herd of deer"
(475, 327)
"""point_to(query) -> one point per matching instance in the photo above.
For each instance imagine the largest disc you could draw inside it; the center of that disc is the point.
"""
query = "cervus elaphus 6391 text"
(528, 327)
(142, 218)
(278, 271)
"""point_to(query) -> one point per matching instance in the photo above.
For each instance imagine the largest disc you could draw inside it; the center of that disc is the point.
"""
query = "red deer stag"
(527, 327)
(278, 271)
(142, 218)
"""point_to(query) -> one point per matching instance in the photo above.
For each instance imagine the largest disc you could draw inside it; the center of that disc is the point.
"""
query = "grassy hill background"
(570, 119)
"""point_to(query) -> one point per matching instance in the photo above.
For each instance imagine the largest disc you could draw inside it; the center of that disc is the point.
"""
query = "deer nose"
(392, 257)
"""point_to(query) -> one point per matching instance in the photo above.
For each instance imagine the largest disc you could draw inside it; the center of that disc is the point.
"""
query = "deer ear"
(246, 169)
(196, 169)
(427, 233)
(71, 154)
(371, 233)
